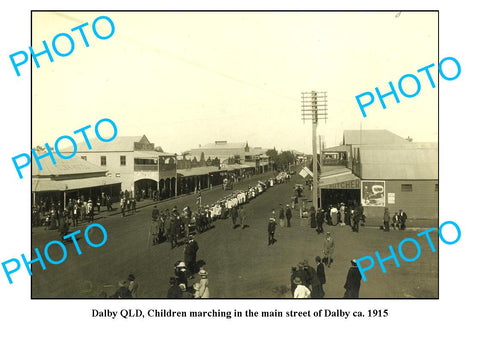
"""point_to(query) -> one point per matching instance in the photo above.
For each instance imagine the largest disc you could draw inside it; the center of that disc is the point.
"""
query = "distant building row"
(134, 164)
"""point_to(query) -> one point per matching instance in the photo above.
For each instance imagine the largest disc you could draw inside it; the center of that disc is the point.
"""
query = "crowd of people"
(181, 288)
(53, 215)
(339, 214)
(307, 282)
(353, 216)
(128, 203)
(174, 225)
(179, 226)
(171, 225)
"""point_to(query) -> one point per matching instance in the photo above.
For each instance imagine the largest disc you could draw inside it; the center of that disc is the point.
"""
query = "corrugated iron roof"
(64, 167)
(338, 178)
(151, 154)
(223, 146)
(47, 184)
(379, 137)
(412, 162)
(339, 148)
(120, 143)
(203, 170)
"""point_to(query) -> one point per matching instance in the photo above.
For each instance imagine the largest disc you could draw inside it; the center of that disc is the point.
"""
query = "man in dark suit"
(313, 218)
(234, 216)
(320, 219)
(357, 216)
(288, 215)
(403, 219)
(172, 230)
(190, 255)
(271, 230)
(311, 276)
(352, 285)
(320, 276)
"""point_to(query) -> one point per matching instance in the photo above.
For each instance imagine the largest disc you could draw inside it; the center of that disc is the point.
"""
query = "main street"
(239, 261)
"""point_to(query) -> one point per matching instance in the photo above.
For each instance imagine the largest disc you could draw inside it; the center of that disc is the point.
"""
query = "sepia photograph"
(234, 154)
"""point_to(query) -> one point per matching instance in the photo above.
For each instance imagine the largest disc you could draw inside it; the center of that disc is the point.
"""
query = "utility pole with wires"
(314, 107)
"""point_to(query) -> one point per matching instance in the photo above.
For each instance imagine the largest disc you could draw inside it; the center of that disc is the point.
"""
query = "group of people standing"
(334, 215)
(399, 220)
(283, 214)
(306, 282)
(53, 215)
(128, 203)
(184, 271)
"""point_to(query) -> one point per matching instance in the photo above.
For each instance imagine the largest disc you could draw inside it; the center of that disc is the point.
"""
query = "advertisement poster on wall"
(373, 193)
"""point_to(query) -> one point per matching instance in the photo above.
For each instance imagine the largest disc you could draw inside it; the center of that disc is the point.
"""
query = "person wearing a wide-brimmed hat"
(301, 292)
(298, 272)
(352, 285)
(203, 291)
(181, 273)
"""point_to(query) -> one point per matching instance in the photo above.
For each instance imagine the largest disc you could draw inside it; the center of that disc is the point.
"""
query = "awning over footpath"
(342, 180)
(47, 184)
(199, 171)
(205, 170)
(230, 167)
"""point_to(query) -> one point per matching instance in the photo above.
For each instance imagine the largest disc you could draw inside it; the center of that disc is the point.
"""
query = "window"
(436, 187)
(84, 158)
(103, 160)
(123, 160)
(407, 187)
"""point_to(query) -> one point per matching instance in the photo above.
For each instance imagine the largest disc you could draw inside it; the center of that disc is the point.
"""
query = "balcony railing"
(145, 167)
(154, 167)
(335, 162)
(167, 167)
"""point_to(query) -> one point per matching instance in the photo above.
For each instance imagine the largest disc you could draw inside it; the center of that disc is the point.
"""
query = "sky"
(186, 79)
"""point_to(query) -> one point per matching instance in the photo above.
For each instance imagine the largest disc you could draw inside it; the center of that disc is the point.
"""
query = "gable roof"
(378, 137)
(120, 143)
(338, 148)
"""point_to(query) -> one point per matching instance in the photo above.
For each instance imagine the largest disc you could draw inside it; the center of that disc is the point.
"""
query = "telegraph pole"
(314, 106)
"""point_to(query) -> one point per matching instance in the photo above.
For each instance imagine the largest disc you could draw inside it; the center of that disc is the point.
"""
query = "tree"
(272, 153)
(284, 159)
